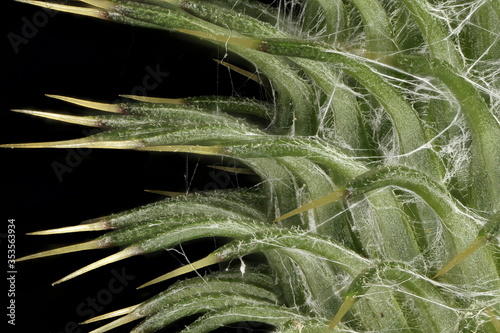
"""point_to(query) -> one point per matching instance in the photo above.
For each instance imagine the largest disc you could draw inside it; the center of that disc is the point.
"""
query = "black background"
(92, 59)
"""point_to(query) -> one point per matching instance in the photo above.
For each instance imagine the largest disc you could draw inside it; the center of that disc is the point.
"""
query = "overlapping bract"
(383, 232)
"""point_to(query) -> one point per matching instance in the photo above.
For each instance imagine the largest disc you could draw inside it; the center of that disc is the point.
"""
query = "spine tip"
(113, 108)
(207, 261)
(91, 245)
(92, 12)
(86, 121)
(155, 99)
(121, 312)
(126, 253)
(97, 226)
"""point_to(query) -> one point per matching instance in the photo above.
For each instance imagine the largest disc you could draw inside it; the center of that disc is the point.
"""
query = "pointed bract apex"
(126, 253)
(211, 259)
(494, 319)
(114, 108)
(346, 306)
(250, 75)
(324, 200)
(53, 144)
(78, 143)
(243, 171)
(194, 149)
(86, 121)
(166, 193)
(469, 250)
(155, 99)
(112, 314)
(91, 245)
(97, 226)
(116, 323)
(92, 12)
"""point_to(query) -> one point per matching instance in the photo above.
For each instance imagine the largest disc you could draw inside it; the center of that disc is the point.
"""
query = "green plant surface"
(377, 151)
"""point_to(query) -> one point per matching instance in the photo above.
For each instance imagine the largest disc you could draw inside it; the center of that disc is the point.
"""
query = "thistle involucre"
(364, 207)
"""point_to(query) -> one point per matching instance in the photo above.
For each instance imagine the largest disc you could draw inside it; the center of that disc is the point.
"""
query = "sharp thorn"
(126, 253)
(346, 306)
(207, 261)
(155, 99)
(77, 143)
(494, 319)
(473, 247)
(97, 226)
(116, 323)
(114, 108)
(86, 121)
(54, 144)
(245, 171)
(250, 75)
(166, 193)
(324, 200)
(92, 12)
(91, 245)
(112, 314)
(202, 150)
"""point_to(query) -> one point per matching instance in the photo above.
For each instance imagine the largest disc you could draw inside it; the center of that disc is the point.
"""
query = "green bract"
(378, 153)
